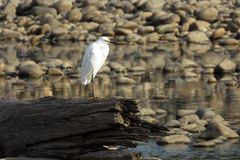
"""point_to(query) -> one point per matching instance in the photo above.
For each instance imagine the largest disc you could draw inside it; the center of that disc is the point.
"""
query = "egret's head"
(105, 39)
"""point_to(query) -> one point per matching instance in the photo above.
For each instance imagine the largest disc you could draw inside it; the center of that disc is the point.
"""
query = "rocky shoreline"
(135, 21)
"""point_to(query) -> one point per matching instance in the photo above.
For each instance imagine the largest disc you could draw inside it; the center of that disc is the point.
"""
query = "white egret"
(93, 59)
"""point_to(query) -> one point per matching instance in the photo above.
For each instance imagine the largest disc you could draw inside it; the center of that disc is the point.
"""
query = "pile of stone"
(201, 128)
(136, 21)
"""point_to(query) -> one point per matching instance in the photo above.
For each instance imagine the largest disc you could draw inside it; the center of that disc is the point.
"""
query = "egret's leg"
(92, 87)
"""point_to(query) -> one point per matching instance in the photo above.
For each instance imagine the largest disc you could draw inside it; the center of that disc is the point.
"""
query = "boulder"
(184, 112)
(125, 80)
(40, 11)
(166, 28)
(216, 129)
(145, 29)
(218, 33)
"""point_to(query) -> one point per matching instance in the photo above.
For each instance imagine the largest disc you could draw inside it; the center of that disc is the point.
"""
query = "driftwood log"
(71, 128)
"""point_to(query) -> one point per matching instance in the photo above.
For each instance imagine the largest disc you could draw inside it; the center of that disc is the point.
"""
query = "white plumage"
(93, 59)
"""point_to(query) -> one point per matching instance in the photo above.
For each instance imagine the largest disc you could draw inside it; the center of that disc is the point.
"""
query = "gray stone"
(216, 129)
(205, 113)
(173, 139)
(40, 11)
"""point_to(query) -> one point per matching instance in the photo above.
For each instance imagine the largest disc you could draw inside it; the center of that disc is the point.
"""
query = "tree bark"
(70, 128)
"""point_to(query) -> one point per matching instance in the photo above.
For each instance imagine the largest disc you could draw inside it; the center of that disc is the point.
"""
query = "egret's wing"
(87, 67)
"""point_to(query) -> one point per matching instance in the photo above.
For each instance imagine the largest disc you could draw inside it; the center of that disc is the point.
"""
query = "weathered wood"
(67, 128)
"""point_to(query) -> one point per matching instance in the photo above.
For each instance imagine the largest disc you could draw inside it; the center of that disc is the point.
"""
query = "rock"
(74, 15)
(44, 3)
(166, 28)
(40, 11)
(52, 63)
(147, 111)
(125, 80)
(130, 25)
(189, 127)
(153, 5)
(189, 74)
(205, 113)
(226, 66)
(173, 139)
(187, 63)
(200, 25)
(216, 129)
(173, 123)
(137, 69)
(63, 5)
(107, 29)
(89, 26)
(145, 29)
(192, 118)
(204, 144)
(123, 31)
(10, 34)
(116, 67)
(197, 37)
(152, 37)
(54, 72)
(10, 10)
(208, 14)
(184, 112)
(218, 33)
(229, 41)
(30, 69)
(105, 69)
(26, 158)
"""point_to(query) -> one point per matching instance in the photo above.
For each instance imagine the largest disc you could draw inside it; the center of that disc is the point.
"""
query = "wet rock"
(197, 37)
(74, 15)
(125, 80)
(116, 67)
(218, 33)
(63, 5)
(166, 28)
(30, 69)
(216, 129)
(130, 25)
(173, 123)
(173, 139)
(208, 14)
(184, 112)
(226, 66)
(204, 144)
(54, 72)
(205, 113)
(147, 111)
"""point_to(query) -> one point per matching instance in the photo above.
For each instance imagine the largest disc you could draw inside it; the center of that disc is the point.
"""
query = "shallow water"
(154, 90)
